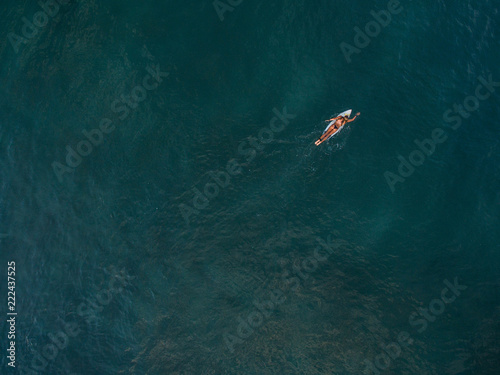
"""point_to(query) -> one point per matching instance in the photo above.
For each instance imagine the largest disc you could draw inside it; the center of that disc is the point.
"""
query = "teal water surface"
(168, 212)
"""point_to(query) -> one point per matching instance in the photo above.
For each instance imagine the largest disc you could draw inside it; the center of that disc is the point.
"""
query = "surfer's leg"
(327, 135)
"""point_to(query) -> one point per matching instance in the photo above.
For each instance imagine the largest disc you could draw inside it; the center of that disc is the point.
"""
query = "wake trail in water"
(307, 162)
(311, 153)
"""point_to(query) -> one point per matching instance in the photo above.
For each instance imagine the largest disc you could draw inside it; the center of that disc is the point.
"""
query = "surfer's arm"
(335, 118)
(354, 118)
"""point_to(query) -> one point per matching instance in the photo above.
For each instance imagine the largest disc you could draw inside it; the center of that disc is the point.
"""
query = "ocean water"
(194, 228)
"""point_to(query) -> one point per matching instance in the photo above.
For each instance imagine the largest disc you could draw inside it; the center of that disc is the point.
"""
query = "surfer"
(339, 122)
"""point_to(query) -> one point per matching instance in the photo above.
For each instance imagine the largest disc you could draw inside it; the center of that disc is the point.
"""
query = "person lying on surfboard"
(339, 122)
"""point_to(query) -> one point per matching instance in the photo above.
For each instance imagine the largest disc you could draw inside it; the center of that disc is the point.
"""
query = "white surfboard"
(348, 113)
